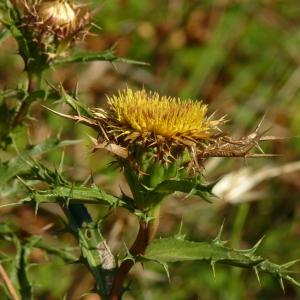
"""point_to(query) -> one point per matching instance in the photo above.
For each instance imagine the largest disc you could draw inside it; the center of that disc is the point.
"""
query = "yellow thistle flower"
(162, 125)
(139, 122)
(141, 114)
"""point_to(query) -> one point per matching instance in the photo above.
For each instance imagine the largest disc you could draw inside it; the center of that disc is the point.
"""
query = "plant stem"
(25, 104)
(8, 284)
(139, 246)
(95, 253)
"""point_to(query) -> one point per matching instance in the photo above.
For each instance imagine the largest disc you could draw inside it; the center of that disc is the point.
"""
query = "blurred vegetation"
(243, 58)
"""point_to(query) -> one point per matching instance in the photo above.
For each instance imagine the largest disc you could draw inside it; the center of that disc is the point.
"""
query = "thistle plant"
(159, 143)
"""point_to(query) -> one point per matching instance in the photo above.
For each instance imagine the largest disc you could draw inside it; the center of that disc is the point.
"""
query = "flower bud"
(54, 26)
(58, 14)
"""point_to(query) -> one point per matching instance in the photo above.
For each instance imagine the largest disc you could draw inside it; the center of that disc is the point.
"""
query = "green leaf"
(78, 194)
(107, 55)
(172, 250)
(168, 250)
(185, 186)
(21, 163)
(76, 105)
(24, 48)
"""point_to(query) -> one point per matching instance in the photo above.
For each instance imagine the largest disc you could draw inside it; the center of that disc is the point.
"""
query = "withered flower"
(58, 14)
(55, 25)
(168, 128)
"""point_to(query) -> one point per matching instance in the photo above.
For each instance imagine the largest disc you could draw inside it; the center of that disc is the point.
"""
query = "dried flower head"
(57, 14)
(55, 23)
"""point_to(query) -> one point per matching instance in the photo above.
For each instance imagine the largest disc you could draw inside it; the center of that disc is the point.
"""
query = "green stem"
(24, 104)
(95, 253)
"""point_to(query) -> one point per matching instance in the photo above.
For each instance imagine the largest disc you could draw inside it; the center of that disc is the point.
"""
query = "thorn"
(281, 284)
(13, 204)
(260, 122)
(76, 90)
(165, 266)
(257, 275)
(93, 140)
(60, 114)
(192, 192)
(52, 86)
(217, 239)
(274, 138)
(213, 263)
(261, 155)
(254, 248)
(25, 184)
(260, 149)
(36, 208)
(289, 264)
(128, 254)
(85, 182)
(180, 235)
(61, 163)
(114, 67)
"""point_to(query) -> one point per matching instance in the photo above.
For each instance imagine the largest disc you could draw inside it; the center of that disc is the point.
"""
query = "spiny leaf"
(107, 55)
(76, 194)
(172, 250)
(20, 163)
(185, 186)
(76, 105)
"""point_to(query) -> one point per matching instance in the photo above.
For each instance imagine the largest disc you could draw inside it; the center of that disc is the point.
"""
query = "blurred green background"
(243, 58)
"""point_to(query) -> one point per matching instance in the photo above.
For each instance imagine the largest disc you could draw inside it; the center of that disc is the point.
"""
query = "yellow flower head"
(164, 125)
(166, 128)
(140, 113)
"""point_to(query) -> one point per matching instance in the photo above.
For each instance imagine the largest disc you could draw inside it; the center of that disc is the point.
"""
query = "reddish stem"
(138, 247)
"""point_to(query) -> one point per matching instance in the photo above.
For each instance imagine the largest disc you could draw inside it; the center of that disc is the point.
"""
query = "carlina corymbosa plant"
(159, 143)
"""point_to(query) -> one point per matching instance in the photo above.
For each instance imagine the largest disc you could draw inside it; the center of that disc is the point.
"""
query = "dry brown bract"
(52, 22)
